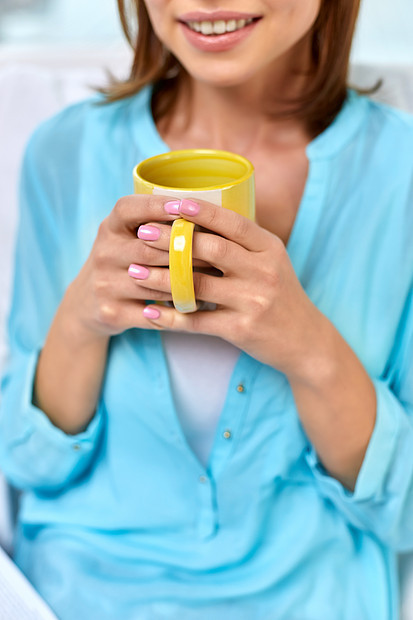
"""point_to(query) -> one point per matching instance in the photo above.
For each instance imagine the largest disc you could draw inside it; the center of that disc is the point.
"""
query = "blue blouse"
(122, 522)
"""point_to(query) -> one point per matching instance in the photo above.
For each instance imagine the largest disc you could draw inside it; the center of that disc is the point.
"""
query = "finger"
(215, 289)
(121, 286)
(226, 223)
(207, 287)
(157, 235)
(225, 255)
(213, 323)
(153, 278)
(129, 314)
(146, 254)
(122, 252)
(132, 211)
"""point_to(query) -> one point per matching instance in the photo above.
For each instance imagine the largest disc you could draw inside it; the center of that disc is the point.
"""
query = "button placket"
(232, 416)
(207, 517)
(237, 402)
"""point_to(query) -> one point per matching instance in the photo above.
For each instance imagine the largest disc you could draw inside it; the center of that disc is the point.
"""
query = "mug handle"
(180, 266)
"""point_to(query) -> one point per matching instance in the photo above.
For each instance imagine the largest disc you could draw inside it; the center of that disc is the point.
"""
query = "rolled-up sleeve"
(33, 452)
(382, 500)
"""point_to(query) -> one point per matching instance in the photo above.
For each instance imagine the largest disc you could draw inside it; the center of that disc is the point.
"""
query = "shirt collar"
(342, 130)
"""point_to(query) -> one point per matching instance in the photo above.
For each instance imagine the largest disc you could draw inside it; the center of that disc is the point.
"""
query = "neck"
(239, 117)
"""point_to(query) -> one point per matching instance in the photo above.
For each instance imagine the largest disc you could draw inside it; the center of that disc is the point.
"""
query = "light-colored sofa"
(31, 92)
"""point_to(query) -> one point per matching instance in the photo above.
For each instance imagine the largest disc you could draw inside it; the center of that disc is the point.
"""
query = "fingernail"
(151, 313)
(148, 232)
(189, 207)
(138, 272)
(172, 207)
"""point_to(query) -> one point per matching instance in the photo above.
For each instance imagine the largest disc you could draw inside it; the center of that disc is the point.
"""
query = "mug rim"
(183, 154)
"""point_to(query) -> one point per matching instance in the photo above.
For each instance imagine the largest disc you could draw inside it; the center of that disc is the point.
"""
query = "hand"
(263, 309)
(104, 299)
(261, 306)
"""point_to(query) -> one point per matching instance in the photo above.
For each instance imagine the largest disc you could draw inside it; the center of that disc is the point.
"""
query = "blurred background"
(384, 35)
(49, 31)
(57, 21)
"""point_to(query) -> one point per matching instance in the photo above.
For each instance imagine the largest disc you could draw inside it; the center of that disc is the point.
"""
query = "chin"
(225, 78)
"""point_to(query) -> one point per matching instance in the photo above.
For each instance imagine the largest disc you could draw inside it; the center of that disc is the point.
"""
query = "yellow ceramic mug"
(220, 177)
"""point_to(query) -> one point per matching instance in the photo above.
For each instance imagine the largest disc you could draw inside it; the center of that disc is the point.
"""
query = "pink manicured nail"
(189, 207)
(172, 207)
(151, 313)
(148, 232)
(138, 272)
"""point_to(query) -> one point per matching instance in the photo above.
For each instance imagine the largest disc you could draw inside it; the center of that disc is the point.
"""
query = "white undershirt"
(200, 368)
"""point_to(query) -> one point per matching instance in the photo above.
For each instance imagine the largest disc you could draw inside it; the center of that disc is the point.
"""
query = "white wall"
(384, 32)
(62, 22)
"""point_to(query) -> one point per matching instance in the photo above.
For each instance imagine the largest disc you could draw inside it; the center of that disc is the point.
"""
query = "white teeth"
(231, 25)
(207, 28)
(219, 26)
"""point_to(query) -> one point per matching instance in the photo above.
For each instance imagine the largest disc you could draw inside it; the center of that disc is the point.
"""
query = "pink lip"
(218, 42)
(202, 16)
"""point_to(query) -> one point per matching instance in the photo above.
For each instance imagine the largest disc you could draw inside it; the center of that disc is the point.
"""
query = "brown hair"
(332, 36)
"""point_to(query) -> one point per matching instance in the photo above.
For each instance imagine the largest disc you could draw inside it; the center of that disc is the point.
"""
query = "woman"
(248, 462)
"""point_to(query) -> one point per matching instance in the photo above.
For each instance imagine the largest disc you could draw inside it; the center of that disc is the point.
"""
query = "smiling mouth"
(218, 27)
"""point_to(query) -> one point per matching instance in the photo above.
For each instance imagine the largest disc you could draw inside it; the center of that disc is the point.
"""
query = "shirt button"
(202, 479)
(240, 388)
(76, 447)
(226, 434)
